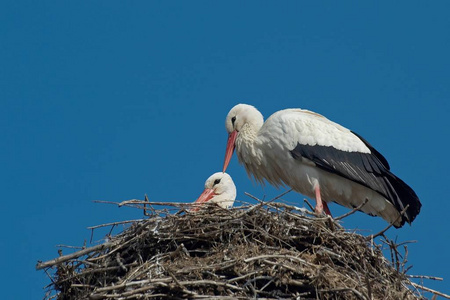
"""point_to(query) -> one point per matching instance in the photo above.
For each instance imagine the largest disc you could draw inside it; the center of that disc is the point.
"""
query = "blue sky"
(113, 100)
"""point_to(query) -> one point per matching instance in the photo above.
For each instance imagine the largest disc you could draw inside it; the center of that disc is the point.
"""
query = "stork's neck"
(247, 147)
(224, 200)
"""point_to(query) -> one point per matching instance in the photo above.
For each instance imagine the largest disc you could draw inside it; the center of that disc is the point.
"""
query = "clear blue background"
(111, 100)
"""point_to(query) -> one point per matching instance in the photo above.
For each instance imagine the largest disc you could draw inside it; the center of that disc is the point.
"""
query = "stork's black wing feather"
(368, 169)
(374, 151)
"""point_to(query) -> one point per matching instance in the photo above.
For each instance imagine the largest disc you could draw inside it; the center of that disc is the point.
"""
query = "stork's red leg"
(326, 209)
(321, 205)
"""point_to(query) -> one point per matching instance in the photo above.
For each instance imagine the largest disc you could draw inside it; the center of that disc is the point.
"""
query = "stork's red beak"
(230, 149)
(204, 197)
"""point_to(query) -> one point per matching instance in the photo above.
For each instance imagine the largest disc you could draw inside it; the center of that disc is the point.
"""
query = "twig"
(115, 223)
(369, 287)
(262, 203)
(309, 204)
(372, 236)
(180, 285)
(253, 197)
(128, 293)
(137, 201)
(134, 283)
(289, 207)
(41, 265)
(243, 276)
(430, 290)
(425, 277)
(211, 282)
(358, 294)
(69, 247)
(145, 206)
(352, 211)
(271, 200)
(278, 256)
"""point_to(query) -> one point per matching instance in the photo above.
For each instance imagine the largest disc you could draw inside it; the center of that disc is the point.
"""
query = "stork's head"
(241, 118)
(219, 189)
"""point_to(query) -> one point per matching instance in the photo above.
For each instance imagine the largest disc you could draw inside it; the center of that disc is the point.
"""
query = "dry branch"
(430, 290)
(61, 259)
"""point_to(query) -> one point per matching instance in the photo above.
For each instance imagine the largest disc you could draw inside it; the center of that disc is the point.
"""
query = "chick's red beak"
(204, 197)
(230, 149)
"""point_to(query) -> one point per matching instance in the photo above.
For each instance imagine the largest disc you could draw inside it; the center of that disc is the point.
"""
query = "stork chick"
(219, 189)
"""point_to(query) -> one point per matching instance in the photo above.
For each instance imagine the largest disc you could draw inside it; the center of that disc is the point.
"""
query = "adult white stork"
(319, 159)
(219, 189)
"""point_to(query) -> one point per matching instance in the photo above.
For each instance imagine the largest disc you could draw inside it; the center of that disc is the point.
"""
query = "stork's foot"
(322, 209)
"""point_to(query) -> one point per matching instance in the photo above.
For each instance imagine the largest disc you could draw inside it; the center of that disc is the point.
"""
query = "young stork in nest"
(319, 159)
(219, 189)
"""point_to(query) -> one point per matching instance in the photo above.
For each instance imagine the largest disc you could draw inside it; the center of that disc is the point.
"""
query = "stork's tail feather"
(405, 196)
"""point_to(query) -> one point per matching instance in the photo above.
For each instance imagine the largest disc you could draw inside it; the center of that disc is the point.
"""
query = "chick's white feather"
(224, 189)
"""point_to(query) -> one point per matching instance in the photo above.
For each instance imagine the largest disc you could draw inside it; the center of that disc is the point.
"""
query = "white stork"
(319, 159)
(219, 189)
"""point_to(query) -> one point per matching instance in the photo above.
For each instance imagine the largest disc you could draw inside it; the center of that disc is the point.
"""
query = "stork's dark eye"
(217, 181)
(233, 119)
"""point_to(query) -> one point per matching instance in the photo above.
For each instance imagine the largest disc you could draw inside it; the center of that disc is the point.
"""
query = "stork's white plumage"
(319, 159)
(219, 189)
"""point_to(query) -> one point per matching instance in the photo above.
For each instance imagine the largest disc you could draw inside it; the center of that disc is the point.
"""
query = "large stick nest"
(271, 251)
